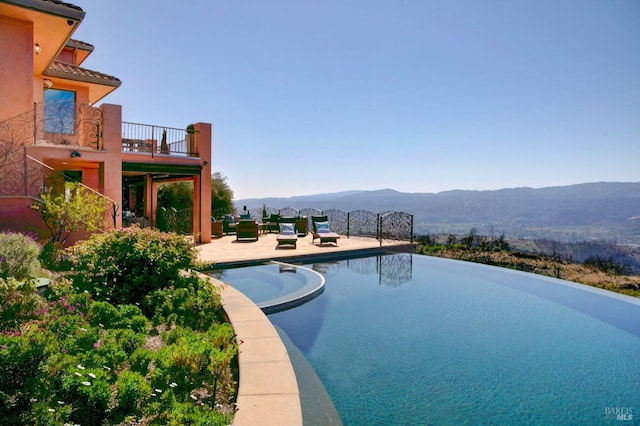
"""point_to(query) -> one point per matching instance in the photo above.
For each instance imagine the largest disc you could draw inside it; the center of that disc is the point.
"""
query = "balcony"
(155, 141)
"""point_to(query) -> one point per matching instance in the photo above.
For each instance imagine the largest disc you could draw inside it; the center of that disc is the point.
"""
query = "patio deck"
(268, 392)
(226, 252)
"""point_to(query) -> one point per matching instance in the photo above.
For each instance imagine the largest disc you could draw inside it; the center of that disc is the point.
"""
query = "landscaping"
(129, 336)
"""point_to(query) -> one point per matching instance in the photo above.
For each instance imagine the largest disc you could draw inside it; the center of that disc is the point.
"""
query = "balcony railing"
(159, 140)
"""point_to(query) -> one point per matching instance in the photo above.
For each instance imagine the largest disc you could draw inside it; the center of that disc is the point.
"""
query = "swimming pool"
(410, 339)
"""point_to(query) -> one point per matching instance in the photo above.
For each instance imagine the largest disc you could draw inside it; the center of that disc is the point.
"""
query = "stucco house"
(49, 123)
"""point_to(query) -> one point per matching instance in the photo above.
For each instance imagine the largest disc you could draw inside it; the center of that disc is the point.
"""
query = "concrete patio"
(226, 252)
(268, 392)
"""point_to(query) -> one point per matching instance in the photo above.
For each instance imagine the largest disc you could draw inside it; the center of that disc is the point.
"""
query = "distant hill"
(604, 210)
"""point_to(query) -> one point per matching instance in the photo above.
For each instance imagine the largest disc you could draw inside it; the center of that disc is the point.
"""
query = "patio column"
(202, 186)
(111, 173)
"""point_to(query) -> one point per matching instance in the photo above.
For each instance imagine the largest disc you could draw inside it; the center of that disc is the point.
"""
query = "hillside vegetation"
(597, 271)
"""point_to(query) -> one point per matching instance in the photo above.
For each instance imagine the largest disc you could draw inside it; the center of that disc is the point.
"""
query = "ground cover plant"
(128, 337)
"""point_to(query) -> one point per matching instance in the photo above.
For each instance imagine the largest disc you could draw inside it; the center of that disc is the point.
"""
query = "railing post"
(348, 224)
(411, 238)
(379, 228)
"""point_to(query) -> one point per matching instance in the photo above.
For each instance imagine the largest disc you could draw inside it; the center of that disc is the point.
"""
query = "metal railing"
(159, 140)
(389, 225)
(42, 177)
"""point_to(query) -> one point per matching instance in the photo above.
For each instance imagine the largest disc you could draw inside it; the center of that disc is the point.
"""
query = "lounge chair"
(322, 231)
(247, 229)
(287, 235)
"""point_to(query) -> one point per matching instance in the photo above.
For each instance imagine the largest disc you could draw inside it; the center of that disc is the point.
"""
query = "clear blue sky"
(309, 97)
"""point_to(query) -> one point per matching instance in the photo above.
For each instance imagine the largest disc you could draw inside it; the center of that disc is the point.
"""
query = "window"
(59, 111)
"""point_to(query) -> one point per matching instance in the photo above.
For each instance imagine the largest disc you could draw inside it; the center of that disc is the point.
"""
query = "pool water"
(409, 339)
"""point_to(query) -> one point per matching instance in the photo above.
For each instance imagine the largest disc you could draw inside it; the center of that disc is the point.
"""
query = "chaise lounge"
(322, 231)
(287, 235)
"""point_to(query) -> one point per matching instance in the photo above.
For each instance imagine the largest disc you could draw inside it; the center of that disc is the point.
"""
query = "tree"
(221, 195)
(70, 207)
(178, 195)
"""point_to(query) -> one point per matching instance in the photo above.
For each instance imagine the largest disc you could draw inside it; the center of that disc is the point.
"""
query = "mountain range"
(607, 211)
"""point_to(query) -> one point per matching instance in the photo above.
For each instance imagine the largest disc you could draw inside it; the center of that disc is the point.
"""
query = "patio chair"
(247, 229)
(287, 235)
(272, 223)
(321, 230)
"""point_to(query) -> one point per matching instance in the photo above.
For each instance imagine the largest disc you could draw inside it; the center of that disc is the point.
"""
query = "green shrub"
(196, 304)
(131, 391)
(121, 266)
(18, 256)
(53, 258)
(19, 302)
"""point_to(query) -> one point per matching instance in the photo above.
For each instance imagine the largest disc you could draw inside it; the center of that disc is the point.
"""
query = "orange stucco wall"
(202, 211)
(16, 67)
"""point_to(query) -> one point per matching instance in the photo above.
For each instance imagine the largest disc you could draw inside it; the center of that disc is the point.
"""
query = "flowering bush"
(69, 358)
(123, 265)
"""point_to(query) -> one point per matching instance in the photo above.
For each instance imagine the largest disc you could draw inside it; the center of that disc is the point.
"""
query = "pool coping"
(296, 298)
(268, 391)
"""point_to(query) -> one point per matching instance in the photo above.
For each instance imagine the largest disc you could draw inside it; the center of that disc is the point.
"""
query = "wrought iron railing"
(80, 125)
(30, 178)
(363, 223)
(159, 140)
(172, 220)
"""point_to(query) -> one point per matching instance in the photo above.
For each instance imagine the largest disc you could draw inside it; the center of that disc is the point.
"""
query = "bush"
(122, 266)
(18, 256)
(19, 302)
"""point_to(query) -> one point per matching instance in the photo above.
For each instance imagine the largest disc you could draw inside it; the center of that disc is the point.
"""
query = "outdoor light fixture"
(47, 83)
(206, 163)
(37, 48)
(75, 154)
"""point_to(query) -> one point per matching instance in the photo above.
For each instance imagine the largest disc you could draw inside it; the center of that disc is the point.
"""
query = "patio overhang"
(161, 171)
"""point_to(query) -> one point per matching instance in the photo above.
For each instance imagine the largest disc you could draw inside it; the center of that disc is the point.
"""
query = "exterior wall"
(16, 68)
(16, 215)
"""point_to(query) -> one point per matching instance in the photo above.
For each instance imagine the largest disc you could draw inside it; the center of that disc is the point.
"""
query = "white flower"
(93, 376)
(86, 383)
(158, 390)
(80, 367)
(195, 398)
(77, 374)
(101, 325)
(173, 384)
(61, 402)
(106, 368)
(51, 410)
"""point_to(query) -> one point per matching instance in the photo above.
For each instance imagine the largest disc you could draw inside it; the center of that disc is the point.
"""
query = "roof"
(79, 44)
(72, 72)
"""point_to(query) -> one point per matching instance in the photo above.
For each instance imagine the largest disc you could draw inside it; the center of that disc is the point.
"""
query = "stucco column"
(111, 176)
(202, 191)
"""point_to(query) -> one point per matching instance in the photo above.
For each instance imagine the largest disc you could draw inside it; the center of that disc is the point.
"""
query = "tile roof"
(62, 3)
(79, 44)
(73, 72)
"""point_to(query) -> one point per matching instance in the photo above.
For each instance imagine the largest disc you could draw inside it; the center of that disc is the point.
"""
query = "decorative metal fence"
(53, 124)
(363, 223)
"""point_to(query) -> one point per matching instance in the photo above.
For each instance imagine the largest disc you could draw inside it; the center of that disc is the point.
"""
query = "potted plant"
(192, 149)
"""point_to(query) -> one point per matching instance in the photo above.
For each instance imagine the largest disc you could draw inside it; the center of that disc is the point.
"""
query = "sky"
(308, 97)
